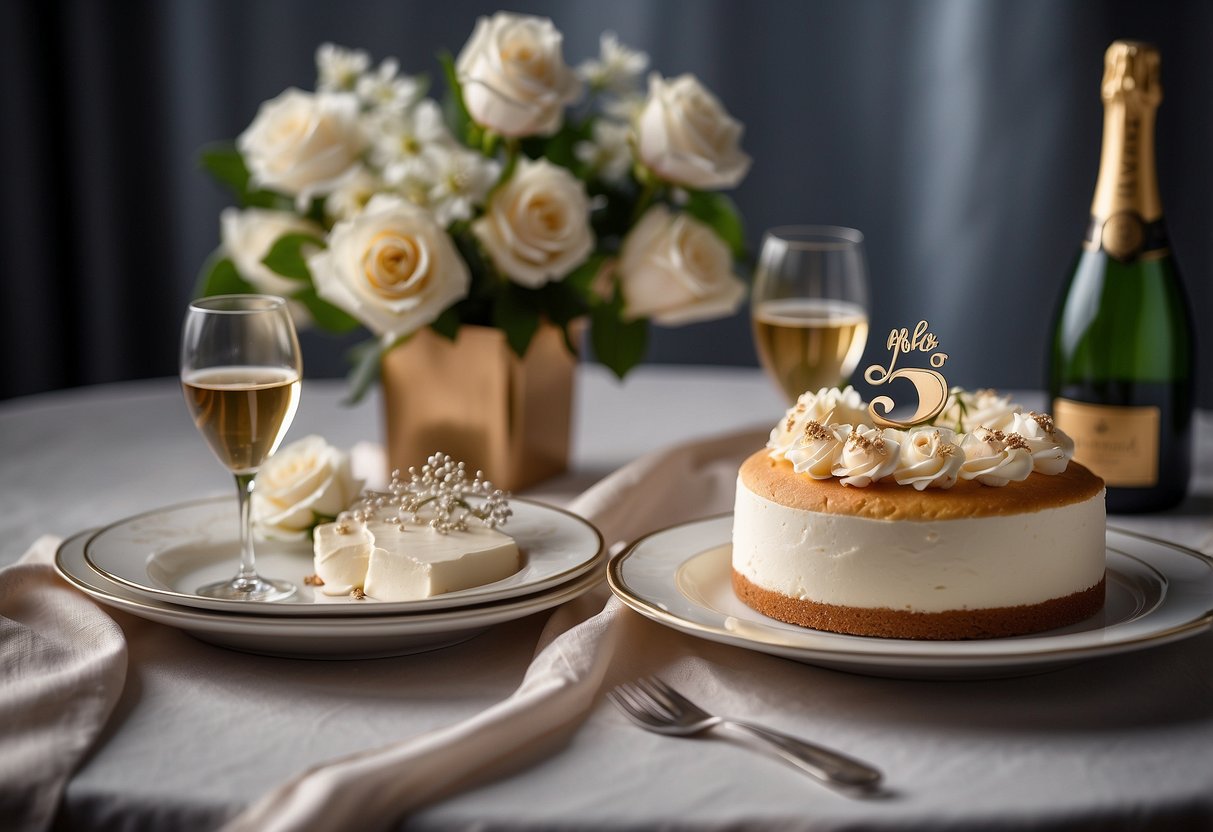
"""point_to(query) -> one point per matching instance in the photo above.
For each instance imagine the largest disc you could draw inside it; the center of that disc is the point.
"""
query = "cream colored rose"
(514, 77)
(306, 482)
(930, 458)
(1050, 447)
(248, 236)
(391, 267)
(868, 454)
(817, 450)
(995, 458)
(303, 144)
(685, 136)
(675, 270)
(827, 406)
(537, 225)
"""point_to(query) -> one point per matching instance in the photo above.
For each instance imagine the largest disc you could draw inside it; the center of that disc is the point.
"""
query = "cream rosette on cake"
(816, 451)
(827, 406)
(967, 411)
(995, 458)
(1051, 448)
(930, 458)
(868, 454)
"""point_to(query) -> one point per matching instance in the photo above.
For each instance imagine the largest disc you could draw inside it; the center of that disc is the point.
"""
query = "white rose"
(930, 458)
(392, 267)
(1050, 447)
(816, 451)
(675, 270)
(514, 77)
(868, 454)
(827, 406)
(303, 144)
(248, 235)
(537, 225)
(306, 482)
(966, 412)
(685, 136)
(995, 458)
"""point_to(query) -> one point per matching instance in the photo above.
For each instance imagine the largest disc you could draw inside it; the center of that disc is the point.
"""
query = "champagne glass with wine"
(240, 371)
(809, 306)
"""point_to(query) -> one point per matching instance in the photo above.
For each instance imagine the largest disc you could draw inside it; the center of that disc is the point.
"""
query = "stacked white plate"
(150, 565)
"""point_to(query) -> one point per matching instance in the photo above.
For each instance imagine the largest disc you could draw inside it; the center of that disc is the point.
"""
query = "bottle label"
(1119, 444)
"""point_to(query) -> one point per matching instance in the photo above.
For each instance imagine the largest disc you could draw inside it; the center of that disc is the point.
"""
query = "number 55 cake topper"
(932, 387)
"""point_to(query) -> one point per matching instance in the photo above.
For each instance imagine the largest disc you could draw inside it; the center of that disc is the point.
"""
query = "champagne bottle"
(1121, 376)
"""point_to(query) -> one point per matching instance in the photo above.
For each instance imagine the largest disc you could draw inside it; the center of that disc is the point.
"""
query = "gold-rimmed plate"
(1157, 592)
(165, 554)
(311, 637)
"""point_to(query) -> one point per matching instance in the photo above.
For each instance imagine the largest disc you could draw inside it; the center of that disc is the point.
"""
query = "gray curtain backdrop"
(961, 136)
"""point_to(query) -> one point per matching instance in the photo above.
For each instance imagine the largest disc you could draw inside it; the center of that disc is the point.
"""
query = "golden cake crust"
(775, 480)
(882, 622)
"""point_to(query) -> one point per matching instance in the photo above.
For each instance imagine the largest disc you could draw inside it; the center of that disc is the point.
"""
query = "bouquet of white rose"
(519, 199)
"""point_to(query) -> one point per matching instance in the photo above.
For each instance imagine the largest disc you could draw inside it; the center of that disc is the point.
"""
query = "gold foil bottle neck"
(1132, 73)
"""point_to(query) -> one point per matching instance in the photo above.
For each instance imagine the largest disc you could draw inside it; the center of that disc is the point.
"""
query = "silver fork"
(655, 706)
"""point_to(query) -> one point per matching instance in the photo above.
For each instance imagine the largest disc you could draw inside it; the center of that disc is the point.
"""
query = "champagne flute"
(240, 371)
(809, 306)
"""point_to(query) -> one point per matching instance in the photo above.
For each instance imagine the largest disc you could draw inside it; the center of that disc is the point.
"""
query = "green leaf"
(365, 358)
(219, 277)
(447, 324)
(515, 315)
(618, 344)
(719, 213)
(581, 279)
(224, 162)
(287, 256)
(456, 111)
(325, 315)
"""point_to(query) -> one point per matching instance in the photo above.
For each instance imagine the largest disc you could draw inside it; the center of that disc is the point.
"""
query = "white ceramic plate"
(167, 553)
(681, 577)
(351, 637)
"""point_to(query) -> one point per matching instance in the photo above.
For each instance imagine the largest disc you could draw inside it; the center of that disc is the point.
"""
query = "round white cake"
(958, 560)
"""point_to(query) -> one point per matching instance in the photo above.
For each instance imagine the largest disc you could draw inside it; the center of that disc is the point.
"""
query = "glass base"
(253, 588)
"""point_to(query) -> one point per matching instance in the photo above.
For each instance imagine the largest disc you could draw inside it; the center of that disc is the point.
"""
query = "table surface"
(179, 751)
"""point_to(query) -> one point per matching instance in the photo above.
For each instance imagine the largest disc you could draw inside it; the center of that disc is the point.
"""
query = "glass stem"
(244, 491)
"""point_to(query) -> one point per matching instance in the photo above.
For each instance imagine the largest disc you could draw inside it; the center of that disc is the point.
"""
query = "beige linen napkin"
(62, 668)
(373, 789)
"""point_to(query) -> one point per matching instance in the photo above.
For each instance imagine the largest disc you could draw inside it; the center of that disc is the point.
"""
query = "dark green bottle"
(1121, 378)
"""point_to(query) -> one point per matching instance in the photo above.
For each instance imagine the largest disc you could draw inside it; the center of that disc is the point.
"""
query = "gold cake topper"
(932, 387)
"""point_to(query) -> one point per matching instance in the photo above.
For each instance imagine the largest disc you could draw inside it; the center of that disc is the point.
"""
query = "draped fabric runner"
(64, 665)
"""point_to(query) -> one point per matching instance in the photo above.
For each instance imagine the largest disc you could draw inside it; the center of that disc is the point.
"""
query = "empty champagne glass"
(240, 371)
(809, 306)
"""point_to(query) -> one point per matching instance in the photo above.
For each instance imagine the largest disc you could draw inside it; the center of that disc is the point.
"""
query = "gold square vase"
(474, 399)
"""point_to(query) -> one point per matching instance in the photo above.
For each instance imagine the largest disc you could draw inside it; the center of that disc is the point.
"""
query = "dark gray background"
(961, 136)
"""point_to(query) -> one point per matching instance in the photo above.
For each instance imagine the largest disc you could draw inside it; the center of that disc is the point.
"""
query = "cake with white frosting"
(415, 540)
(976, 526)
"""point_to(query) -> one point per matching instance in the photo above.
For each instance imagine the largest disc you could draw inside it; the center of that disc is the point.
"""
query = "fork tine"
(632, 709)
(653, 698)
(672, 700)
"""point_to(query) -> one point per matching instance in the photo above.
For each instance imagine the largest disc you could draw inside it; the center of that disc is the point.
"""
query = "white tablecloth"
(200, 732)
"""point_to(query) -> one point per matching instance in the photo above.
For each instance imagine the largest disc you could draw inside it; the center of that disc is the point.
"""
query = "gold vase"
(474, 399)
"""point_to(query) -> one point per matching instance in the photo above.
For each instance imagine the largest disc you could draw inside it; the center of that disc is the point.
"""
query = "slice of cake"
(415, 540)
(397, 562)
(926, 533)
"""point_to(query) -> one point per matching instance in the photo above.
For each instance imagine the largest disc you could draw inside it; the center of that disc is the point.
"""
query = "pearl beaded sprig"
(436, 495)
